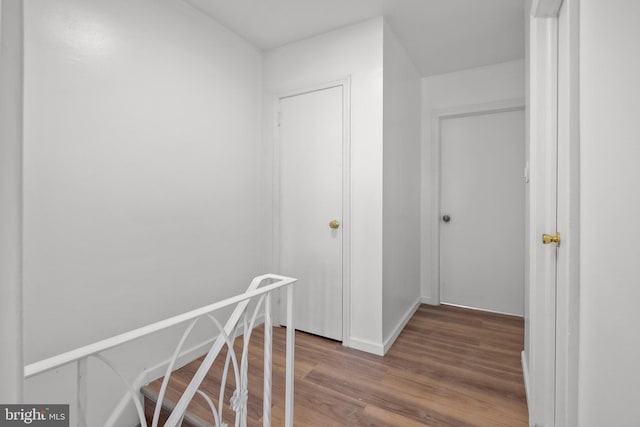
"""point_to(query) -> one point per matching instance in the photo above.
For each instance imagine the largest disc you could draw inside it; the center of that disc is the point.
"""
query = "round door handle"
(547, 238)
(446, 218)
(334, 224)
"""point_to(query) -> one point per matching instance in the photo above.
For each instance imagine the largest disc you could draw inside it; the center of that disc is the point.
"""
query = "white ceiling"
(440, 35)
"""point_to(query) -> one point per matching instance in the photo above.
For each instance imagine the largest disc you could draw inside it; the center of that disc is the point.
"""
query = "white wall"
(610, 213)
(141, 169)
(11, 53)
(401, 188)
(354, 52)
(462, 88)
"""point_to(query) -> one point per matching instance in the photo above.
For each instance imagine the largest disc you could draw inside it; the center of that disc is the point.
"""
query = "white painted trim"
(504, 105)
(346, 193)
(542, 213)
(311, 88)
(400, 326)
(346, 214)
(568, 271)
(436, 120)
(367, 346)
(525, 375)
(545, 8)
(482, 309)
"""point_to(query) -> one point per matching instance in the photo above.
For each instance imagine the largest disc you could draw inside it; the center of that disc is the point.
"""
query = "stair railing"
(257, 291)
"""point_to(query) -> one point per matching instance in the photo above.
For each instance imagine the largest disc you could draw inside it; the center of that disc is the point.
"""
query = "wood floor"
(449, 367)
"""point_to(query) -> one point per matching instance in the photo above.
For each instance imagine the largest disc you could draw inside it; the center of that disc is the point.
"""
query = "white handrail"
(97, 347)
(239, 398)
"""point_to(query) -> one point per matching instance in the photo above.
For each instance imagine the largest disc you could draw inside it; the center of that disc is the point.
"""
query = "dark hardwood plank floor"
(449, 367)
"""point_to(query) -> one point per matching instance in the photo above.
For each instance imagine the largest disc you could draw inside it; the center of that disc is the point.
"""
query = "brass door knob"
(548, 238)
(334, 224)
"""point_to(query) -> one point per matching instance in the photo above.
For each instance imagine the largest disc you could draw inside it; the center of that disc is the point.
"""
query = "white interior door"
(482, 194)
(310, 172)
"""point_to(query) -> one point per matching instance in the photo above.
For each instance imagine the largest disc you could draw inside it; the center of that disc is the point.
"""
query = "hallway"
(449, 367)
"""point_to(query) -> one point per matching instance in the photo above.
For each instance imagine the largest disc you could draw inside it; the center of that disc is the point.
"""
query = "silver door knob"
(446, 218)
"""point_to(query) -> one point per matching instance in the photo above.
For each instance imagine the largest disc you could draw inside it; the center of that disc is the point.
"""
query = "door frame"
(437, 117)
(568, 270)
(551, 373)
(346, 189)
(538, 359)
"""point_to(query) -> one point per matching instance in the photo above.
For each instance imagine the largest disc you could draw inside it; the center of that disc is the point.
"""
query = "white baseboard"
(380, 349)
(400, 326)
(486, 310)
(525, 374)
(366, 345)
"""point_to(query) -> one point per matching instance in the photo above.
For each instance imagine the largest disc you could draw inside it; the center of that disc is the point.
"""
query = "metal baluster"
(82, 392)
(291, 333)
(266, 407)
